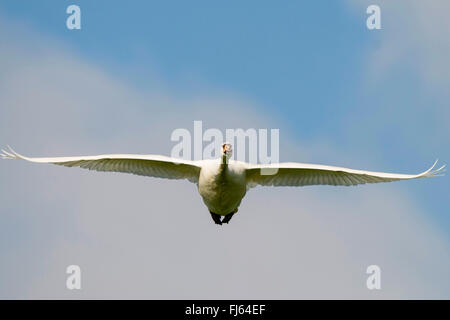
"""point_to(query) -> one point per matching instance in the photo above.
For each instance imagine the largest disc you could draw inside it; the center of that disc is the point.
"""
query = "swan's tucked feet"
(216, 217)
(229, 216)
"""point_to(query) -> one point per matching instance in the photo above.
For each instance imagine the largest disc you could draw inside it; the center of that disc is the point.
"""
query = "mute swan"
(223, 182)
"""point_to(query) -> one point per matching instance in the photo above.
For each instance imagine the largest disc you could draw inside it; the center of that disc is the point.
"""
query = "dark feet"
(228, 217)
(216, 217)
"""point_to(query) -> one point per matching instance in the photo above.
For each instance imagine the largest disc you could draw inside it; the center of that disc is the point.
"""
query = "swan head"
(226, 150)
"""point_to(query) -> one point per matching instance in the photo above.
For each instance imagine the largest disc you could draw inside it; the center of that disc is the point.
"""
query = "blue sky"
(341, 94)
(276, 55)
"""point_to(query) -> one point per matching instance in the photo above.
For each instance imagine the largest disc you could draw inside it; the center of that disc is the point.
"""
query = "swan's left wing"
(303, 174)
(143, 165)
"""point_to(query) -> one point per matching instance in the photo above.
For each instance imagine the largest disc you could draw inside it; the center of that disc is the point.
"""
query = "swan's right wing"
(304, 174)
(143, 165)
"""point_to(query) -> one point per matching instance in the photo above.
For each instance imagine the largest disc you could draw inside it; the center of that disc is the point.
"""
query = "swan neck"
(224, 162)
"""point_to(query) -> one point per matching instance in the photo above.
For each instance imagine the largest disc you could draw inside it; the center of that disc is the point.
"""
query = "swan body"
(223, 183)
(222, 186)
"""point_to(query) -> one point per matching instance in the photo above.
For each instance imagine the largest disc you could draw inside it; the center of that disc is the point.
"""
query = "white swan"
(223, 182)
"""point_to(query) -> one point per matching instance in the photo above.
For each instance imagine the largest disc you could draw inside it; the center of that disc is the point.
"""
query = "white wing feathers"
(144, 165)
(303, 174)
(287, 174)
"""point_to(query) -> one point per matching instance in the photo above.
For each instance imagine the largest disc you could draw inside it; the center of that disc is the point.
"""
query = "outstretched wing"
(303, 174)
(143, 165)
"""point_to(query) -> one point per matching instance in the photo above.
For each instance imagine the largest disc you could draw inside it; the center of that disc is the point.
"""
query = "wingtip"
(436, 172)
(4, 154)
(10, 155)
(435, 162)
